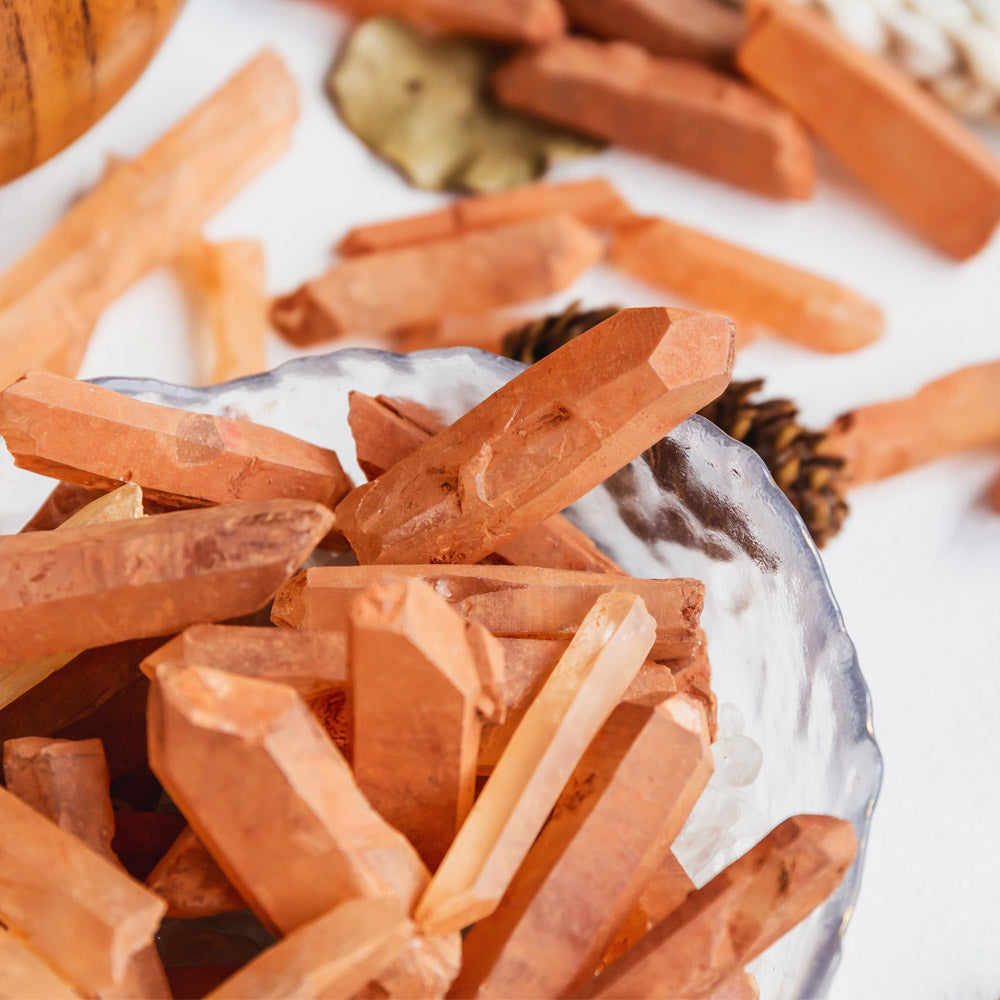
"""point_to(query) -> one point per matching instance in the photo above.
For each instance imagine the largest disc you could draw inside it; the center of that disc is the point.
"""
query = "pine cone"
(811, 480)
(541, 337)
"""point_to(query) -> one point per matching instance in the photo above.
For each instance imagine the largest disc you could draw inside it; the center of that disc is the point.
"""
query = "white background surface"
(916, 568)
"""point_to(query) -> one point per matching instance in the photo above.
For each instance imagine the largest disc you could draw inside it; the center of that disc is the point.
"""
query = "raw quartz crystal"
(189, 881)
(733, 918)
(469, 273)
(664, 891)
(99, 584)
(122, 504)
(623, 805)
(94, 437)
(75, 909)
(335, 955)
(383, 435)
(517, 601)
(541, 441)
(581, 692)
(265, 747)
(311, 662)
(67, 781)
(24, 974)
(414, 690)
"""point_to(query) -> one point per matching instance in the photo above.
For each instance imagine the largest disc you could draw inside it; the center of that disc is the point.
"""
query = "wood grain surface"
(63, 64)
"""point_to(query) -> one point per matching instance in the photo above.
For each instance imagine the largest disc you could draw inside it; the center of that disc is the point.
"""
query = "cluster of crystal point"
(581, 693)
(589, 842)
(578, 696)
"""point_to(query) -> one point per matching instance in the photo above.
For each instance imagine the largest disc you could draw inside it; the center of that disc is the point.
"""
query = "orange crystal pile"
(506, 745)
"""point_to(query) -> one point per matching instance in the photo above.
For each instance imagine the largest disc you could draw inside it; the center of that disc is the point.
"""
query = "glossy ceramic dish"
(699, 505)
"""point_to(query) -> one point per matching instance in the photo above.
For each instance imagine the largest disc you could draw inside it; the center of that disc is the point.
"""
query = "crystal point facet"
(413, 694)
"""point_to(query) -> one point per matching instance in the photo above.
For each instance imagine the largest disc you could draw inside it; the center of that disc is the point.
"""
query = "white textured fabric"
(950, 46)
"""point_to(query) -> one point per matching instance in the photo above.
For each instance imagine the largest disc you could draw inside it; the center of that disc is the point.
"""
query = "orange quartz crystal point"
(67, 781)
(468, 273)
(265, 747)
(25, 974)
(607, 835)
(94, 437)
(313, 663)
(673, 109)
(935, 172)
(666, 889)
(593, 201)
(414, 690)
(598, 665)
(692, 29)
(738, 914)
(384, 436)
(510, 601)
(798, 306)
(81, 587)
(958, 411)
(82, 914)
(189, 881)
(543, 440)
(335, 955)
(139, 216)
(508, 21)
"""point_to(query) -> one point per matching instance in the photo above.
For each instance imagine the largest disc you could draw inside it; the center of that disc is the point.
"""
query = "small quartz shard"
(64, 501)
(594, 201)
(673, 109)
(75, 909)
(97, 438)
(67, 781)
(733, 918)
(958, 411)
(540, 442)
(226, 281)
(384, 435)
(624, 804)
(314, 663)
(600, 662)
(265, 747)
(799, 306)
(24, 974)
(189, 881)
(509, 601)
(469, 273)
(90, 586)
(414, 690)
(336, 955)
(935, 173)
